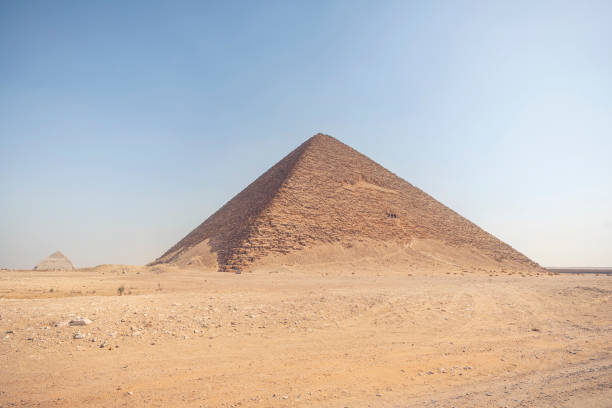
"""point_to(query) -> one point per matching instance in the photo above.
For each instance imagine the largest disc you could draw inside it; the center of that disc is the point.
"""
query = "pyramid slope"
(326, 192)
(55, 262)
(226, 230)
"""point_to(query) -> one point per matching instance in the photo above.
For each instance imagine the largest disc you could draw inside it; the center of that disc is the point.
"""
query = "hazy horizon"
(124, 126)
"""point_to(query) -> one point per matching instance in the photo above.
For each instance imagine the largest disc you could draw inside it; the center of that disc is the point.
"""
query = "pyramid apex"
(322, 136)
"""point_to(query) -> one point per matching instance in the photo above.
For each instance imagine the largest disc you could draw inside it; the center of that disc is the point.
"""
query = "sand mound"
(326, 193)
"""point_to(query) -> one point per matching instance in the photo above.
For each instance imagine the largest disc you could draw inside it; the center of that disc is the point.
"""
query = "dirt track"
(280, 337)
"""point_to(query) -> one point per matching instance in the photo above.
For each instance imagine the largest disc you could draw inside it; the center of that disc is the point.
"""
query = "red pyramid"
(326, 192)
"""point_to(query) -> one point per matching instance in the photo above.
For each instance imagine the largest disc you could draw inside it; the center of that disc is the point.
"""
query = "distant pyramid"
(55, 262)
(325, 192)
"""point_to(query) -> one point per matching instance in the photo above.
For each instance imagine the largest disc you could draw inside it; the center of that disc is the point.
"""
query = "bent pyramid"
(324, 192)
(55, 262)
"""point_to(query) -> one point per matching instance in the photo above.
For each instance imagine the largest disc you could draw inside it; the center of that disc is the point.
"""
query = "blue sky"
(123, 125)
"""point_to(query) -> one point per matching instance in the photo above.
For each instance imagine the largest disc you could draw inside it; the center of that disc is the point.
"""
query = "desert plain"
(309, 336)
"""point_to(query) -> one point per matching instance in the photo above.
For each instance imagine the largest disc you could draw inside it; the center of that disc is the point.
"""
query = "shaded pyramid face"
(325, 192)
(55, 262)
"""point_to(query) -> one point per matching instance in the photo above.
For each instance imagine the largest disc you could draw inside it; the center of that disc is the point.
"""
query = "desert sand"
(315, 336)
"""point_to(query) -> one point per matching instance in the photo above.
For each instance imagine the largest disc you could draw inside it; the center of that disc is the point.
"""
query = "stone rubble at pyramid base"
(420, 256)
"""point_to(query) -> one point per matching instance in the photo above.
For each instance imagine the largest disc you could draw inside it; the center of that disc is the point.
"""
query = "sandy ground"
(283, 338)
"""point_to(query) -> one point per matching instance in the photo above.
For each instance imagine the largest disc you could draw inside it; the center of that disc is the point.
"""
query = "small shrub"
(120, 290)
